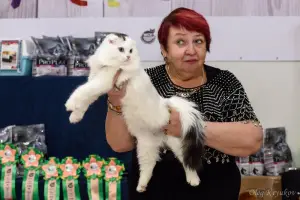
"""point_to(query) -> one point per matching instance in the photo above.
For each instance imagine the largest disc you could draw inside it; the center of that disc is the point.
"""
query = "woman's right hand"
(116, 94)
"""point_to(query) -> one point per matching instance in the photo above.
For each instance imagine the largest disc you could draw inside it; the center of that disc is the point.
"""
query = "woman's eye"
(180, 42)
(198, 41)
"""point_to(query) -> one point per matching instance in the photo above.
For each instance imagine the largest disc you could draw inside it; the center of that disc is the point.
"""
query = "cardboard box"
(261, 188)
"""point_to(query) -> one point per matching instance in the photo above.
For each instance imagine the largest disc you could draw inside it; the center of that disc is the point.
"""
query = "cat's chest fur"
(143, 108)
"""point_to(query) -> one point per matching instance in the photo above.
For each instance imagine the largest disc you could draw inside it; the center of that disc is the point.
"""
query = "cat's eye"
(130, 51)
(121, 49)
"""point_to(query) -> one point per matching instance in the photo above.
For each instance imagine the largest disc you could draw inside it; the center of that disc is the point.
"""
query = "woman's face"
(186, 50)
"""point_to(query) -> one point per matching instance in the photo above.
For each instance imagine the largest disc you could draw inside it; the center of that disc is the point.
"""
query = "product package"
(24, 137)
(244, 165)
(81, 49)
(10, 52)
(16, 57)
(6, 135)
(257, 163)
(51, 56)
(66, 55)
(252, 165)
(277, 154)
(29, 136)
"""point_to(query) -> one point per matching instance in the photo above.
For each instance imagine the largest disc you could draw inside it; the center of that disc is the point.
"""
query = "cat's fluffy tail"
(192, 131)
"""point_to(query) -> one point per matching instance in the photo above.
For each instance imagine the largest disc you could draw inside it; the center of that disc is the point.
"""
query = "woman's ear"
(163, 51)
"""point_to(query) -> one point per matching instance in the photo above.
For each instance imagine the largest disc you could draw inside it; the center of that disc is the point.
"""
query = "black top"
(221, 99)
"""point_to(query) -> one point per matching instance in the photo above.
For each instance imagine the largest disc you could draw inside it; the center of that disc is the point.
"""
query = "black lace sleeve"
(236, 106)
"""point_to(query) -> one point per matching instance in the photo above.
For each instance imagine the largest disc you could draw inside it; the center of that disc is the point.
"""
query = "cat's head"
(116, 51)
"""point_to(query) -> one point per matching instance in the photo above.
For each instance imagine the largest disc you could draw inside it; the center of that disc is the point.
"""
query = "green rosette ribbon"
(114, 170)
(93, 171)
(51, 173)
(70, 172)
(31, 159)
(8, 159)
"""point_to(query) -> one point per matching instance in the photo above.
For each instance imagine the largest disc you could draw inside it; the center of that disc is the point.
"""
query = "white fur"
(144, 110)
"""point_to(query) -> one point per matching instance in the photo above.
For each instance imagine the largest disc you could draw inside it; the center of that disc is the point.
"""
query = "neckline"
(187, 88)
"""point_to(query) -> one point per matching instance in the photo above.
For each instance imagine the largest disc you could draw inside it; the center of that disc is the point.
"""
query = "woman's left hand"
(174, 126)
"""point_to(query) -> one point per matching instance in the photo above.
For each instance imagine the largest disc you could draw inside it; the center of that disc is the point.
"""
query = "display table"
(33, 100)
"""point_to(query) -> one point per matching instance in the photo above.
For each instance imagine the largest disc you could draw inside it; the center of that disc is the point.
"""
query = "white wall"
(273, 89)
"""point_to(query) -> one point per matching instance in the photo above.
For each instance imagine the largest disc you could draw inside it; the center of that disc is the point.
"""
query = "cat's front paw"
(141, 188)
(75, 102)
(193, 180)
(75, 117)
(70, 104)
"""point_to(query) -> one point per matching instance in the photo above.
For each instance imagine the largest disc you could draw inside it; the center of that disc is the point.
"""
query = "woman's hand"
(174, 126)
(116, 94)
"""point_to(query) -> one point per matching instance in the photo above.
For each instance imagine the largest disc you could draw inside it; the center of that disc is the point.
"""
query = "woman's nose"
(190, 49)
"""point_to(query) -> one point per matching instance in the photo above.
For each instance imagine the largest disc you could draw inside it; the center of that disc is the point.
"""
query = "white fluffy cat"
(144, 110)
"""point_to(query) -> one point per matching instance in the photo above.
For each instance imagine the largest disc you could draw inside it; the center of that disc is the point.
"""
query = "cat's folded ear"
(132, 41)
(112, 38)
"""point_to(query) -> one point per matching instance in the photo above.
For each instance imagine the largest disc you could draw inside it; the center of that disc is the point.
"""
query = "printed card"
(9, 54)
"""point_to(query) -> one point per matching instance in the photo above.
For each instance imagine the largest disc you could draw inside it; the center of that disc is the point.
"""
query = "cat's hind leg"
(175, 145)
(148, 150)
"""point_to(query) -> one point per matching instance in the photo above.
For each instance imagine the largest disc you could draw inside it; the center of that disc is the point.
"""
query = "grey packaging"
(51, 56)
(277, 154)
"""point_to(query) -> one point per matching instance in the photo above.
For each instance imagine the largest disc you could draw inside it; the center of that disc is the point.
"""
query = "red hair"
(184, 18)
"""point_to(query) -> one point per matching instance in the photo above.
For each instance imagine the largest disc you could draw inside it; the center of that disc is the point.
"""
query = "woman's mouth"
(191, 61)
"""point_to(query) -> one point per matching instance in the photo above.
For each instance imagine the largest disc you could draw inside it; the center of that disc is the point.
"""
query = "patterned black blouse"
(221, 99)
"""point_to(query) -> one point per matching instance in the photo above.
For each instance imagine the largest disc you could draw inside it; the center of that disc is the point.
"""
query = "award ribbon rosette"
(8, 158)
(93, 171)
(31, 159)
(70, 172)
(113, 175)
(52, 173)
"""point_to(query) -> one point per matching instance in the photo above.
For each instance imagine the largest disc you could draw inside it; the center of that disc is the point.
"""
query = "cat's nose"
(128, 57)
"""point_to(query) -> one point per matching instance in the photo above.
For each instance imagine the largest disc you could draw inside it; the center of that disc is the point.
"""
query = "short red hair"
(184, 18)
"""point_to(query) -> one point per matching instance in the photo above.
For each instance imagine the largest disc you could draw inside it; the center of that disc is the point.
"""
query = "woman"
(232, 126)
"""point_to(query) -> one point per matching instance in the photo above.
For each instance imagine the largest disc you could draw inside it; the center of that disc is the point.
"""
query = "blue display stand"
(30, 100)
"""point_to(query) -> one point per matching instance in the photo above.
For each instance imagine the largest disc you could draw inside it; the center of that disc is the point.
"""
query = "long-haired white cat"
(144, 110)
